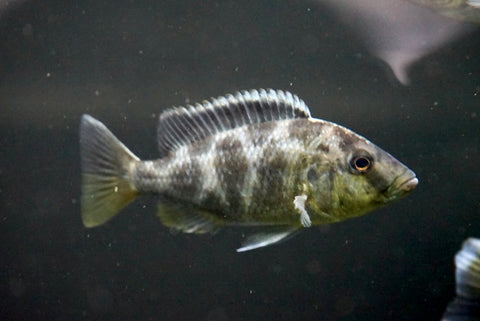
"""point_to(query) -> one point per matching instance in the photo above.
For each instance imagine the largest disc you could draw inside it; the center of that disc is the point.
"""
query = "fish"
(466, 304)
(461, 10)
(252, 158)
(400, 32)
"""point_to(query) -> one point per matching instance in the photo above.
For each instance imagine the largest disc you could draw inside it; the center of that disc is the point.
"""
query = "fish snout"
(403, 185)
(409, 183)
(406, 183)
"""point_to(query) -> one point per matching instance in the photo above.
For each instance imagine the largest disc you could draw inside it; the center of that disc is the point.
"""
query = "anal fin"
(268, 236)
(187, 219)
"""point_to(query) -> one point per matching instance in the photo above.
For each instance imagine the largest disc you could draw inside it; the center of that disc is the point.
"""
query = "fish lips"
(402, 185)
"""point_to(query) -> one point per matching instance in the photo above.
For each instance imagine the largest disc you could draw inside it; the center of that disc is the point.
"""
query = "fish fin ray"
(106, 163)
(187, 219)
(181, 126)
(268, 236)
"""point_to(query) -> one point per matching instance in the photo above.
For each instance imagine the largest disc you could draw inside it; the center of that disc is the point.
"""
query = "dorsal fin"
(181, 126)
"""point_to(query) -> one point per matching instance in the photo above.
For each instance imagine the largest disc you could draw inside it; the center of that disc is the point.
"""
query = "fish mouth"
(402, 185)
(408, 185)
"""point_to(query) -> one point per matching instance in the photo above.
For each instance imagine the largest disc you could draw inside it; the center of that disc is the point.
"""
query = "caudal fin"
(106, 173)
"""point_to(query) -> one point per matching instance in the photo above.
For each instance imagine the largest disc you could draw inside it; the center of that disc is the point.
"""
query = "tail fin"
(106, 173)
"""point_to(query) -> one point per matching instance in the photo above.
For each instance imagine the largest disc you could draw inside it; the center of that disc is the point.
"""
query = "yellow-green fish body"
(253, 158)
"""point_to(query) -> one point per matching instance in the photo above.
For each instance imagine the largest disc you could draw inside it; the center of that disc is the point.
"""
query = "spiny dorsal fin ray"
(181, 126)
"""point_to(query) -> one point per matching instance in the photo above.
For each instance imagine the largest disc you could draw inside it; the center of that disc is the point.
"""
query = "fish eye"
(361, 164)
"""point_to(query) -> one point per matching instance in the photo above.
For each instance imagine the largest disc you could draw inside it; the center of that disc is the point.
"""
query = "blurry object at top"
(466, 305)
(463, 10)
(400, 32)
(6, 5)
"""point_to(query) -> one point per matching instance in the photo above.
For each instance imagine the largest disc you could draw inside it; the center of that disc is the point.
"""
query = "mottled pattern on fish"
(249, 174)
(256, 158)
(240, 174)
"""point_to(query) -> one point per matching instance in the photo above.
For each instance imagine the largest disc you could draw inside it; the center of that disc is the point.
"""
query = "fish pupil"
(361, 163)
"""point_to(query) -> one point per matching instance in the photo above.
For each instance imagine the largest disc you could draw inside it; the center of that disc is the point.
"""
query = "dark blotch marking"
(323, 187)
(271, 174)
(187, 182)
(312, 175)
(306, 131)
(301, 128)
(347, 138)
(324, 148)
(213, 203)
(231, 165)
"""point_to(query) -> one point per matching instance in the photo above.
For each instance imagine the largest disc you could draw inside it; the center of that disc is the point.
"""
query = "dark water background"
(126, 61)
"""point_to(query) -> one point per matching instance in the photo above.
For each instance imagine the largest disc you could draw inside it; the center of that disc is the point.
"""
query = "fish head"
(353, 177)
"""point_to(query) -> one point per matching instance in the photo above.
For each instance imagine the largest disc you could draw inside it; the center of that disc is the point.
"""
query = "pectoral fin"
(268, 236)
(299, 203)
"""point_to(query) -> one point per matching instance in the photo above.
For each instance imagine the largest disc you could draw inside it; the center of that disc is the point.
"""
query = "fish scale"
(255, 157)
